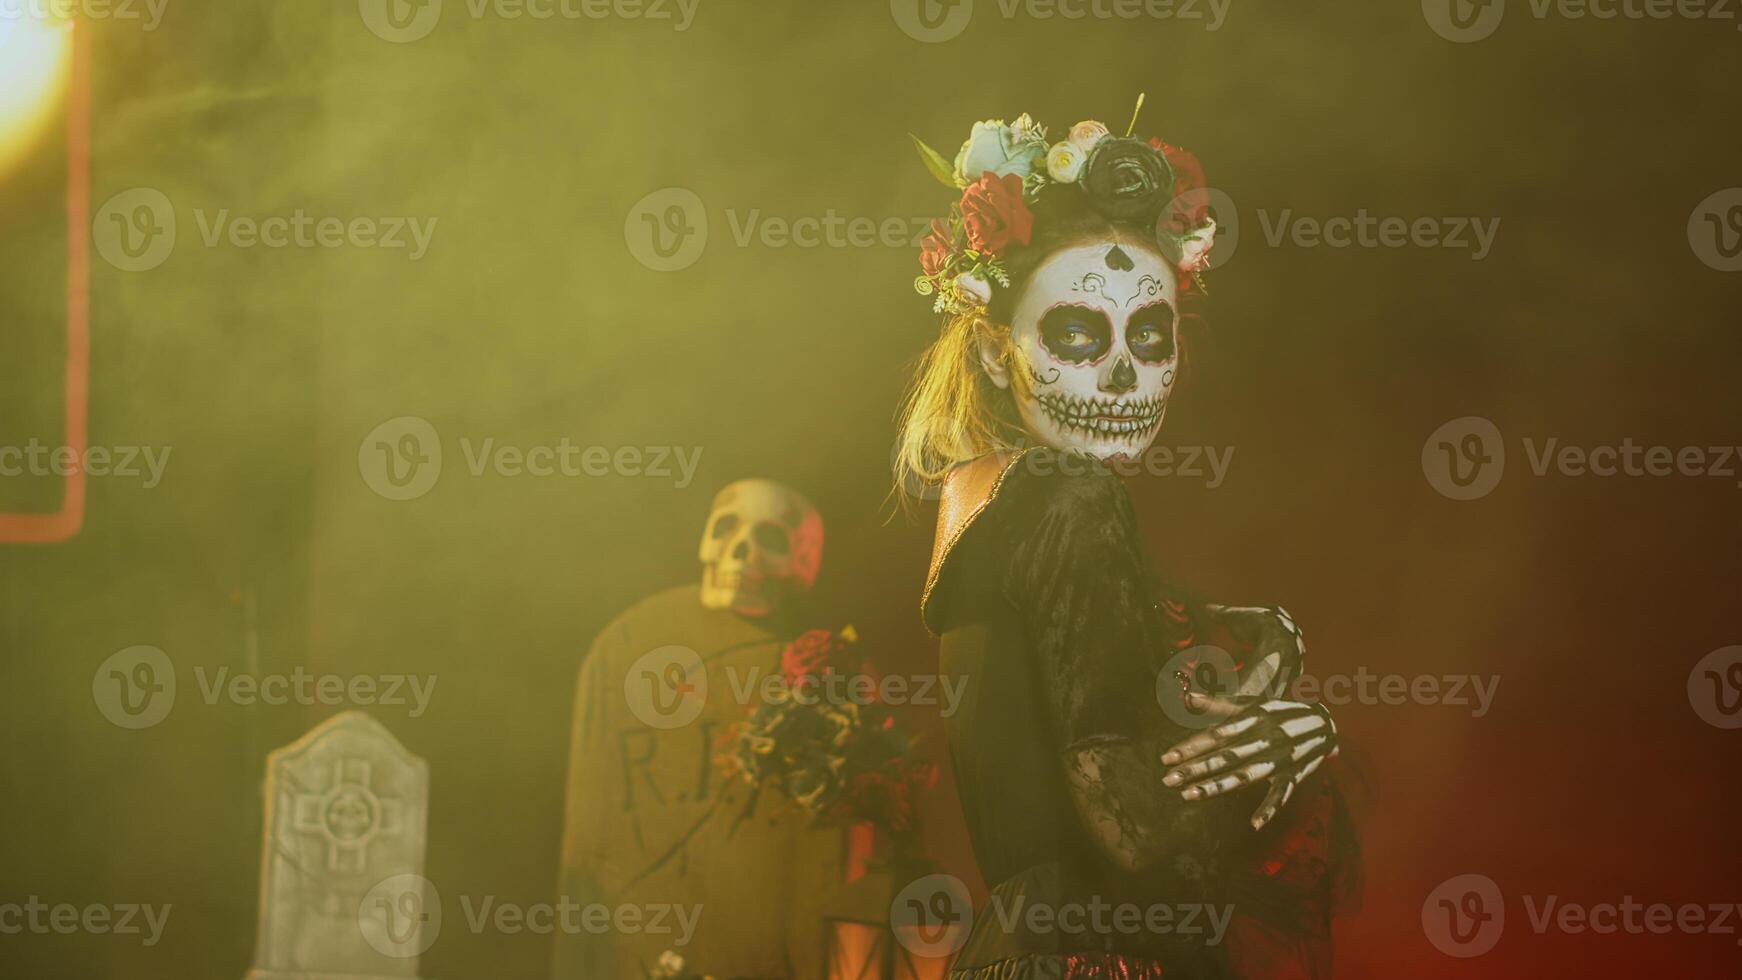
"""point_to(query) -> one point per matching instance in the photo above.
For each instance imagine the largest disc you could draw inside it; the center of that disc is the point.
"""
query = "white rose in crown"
(1064, 162)
(975, 288)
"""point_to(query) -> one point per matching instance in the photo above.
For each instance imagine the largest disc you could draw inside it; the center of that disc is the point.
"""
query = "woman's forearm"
(1130, 816)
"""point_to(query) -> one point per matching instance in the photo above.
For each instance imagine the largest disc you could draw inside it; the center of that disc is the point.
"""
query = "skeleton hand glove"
(1266, 737)
(1275, 642)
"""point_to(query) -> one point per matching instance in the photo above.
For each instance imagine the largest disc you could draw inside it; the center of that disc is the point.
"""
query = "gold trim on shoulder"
(967, 491)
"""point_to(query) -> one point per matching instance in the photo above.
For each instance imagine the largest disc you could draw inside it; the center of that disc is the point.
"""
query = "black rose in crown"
(1127, 179)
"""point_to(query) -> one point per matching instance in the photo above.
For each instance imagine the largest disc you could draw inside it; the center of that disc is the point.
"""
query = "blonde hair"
(953, 412)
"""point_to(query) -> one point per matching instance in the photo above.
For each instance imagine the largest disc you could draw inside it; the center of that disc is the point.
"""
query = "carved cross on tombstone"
(348, 815)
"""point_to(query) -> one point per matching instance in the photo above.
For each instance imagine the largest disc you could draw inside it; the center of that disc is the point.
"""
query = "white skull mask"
(1093, 349)
(760, 549)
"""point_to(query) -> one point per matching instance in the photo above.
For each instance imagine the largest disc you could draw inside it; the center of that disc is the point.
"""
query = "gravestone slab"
(342, 893)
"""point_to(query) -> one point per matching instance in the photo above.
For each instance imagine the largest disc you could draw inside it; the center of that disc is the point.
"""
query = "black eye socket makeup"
(1076, 334)
(1149, 333)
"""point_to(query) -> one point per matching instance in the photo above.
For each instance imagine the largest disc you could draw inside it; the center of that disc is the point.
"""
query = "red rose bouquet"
(823, 737)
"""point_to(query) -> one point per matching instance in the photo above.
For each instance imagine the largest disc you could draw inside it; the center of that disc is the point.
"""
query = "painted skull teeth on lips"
(1118, 418)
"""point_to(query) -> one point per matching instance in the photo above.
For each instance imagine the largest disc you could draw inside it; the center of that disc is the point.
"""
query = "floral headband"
(1002, 168)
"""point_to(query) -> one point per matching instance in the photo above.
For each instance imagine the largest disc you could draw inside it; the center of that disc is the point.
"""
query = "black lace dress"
(1046, 605)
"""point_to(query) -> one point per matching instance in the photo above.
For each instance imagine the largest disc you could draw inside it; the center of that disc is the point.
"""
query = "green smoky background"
(534, 316)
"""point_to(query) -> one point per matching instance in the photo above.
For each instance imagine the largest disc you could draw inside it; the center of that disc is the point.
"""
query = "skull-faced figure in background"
(650, 819)
(760, 549)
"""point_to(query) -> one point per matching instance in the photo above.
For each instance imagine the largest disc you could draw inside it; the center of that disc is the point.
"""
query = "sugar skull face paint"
(1094, 348)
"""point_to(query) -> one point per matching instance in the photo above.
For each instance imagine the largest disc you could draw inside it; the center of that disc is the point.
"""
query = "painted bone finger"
(1283, 741)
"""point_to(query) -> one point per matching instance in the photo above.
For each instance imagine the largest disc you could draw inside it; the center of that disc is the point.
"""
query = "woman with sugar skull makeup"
(1120, 745)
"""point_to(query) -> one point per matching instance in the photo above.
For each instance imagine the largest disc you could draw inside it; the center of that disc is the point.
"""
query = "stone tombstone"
(649, 821)
(342, 892)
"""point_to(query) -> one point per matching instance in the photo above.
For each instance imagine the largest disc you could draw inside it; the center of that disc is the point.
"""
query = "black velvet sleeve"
(1083, 589)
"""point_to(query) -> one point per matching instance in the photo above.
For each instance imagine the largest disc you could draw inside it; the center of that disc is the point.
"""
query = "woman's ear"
(993, 346)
